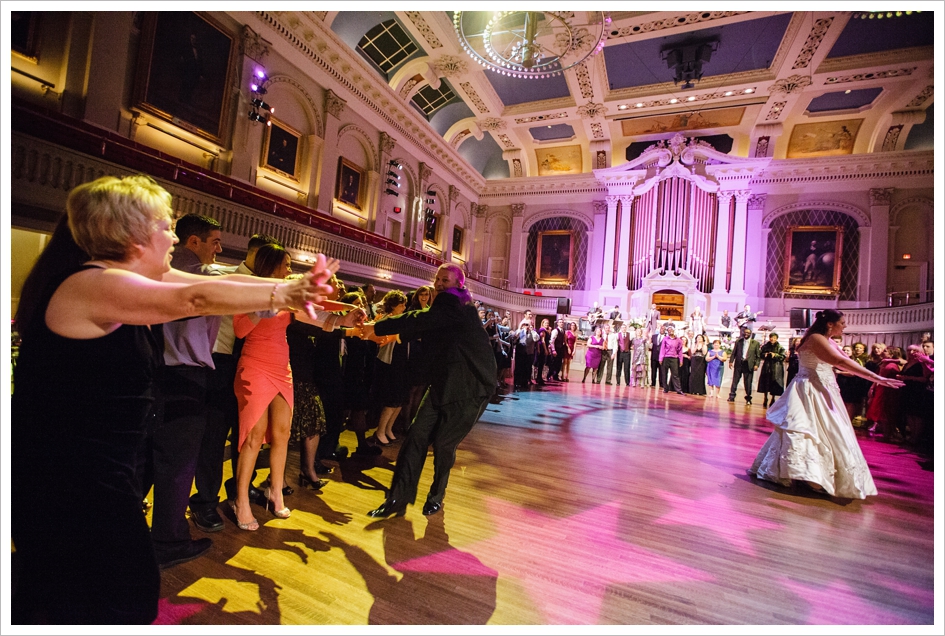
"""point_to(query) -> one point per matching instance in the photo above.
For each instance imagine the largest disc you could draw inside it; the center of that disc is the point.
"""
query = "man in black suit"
(461, 388)
(746, 354)
(656, 340)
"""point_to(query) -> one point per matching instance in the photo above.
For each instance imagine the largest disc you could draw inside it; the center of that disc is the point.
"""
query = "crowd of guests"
(179, 357)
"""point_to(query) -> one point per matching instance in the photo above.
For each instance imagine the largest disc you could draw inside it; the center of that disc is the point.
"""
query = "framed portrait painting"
(457, 239)
(185, 66)
(812, 259)
(554, 260)
(348, 188)
(282, 149)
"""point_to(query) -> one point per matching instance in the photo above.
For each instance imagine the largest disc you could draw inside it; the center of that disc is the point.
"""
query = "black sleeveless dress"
(80, 411)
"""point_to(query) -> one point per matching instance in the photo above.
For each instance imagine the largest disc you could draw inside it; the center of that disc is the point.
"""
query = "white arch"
(925, 202)
(312, 109)
(547, 214)
(861, 217)
(363, 138)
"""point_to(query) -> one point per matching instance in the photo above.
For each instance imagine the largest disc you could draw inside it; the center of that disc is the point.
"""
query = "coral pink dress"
(263, 371)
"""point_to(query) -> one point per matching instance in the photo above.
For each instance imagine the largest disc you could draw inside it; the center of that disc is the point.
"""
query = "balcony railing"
(900, 298)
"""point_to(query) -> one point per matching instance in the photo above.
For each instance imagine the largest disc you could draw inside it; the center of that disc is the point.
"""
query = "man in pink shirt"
(671, 355)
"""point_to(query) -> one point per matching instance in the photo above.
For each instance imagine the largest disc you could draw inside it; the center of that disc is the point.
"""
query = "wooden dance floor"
(581, 504)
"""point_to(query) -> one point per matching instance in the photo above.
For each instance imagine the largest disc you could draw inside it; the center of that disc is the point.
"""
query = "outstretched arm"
(826, 351)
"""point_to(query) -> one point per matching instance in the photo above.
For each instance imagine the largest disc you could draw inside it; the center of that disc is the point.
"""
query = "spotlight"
(432, 193)
(261, 74)
(255, 116)
(394, 163)
(389, 191)
(430, 201)
(258, 103)
(392, 182)
(393, 174)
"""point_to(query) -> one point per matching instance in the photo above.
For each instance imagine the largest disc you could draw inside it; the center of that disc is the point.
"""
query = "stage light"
(392, 182)
(393, 174)
(389, 191)
(258, 103)
(394, 163)
(432, 193)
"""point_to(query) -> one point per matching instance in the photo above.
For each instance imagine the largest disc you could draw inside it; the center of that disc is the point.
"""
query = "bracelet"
(272, 299)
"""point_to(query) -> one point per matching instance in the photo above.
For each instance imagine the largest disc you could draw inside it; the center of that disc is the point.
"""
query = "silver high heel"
(251, 526)
(281, 514)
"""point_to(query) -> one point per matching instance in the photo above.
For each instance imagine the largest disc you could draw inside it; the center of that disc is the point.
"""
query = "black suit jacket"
(462, 363)
(754, 353)
(655, 340)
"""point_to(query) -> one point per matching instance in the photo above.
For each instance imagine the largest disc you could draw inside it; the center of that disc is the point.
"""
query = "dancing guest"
(390, 388)
(542, 351)
(558, 350)
(83, 395)
(457, 396)
(715, 366)
(697, 366)
(697, 321)
(746, 354)
(656, 341)
(570, 339)
(686, 341)
(592, 357)
(417, 359)
(916, 374)
(607, 355)
(671, 357)
(525, 341)
(883, 408)
(771, 378)
(264, 390)
(359, 359)
(793, 363)
(813, 441)
(638, 359)
(623, 355)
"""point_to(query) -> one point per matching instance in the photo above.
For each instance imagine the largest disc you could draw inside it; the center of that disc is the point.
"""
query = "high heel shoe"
(314, 484)
(380, 443)
(281, 514)
(251, 526)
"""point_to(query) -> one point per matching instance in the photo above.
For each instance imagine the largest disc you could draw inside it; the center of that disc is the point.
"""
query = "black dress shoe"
(318, 484)
(207, 519)
(322, 469)
(340, 453)
(731, 399)
(430, 508)
(390, 508)
(257, 496)
(186, 552)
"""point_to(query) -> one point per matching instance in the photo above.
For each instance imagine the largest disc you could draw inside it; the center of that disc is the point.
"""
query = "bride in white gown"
(813, 440)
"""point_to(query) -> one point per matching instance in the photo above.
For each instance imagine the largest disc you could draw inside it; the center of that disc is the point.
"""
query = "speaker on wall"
(800, 318)
(564, 306)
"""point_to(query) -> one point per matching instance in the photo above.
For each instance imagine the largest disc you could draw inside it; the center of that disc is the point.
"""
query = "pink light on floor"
(175, 613)
(839, 604)
(715, 513)
(596, 559)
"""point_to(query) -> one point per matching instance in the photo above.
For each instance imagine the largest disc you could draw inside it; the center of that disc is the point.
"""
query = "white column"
(721, 243)
(623, 243)
(738, 241)
(864, 266)
(378, 221)
(517, 248)
(610, 237)
(334, 107)
(595, 240)
(880, 244)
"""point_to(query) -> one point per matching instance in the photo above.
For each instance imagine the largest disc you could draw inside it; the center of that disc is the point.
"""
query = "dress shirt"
(671, 347)
(612, 343)
(189, 342)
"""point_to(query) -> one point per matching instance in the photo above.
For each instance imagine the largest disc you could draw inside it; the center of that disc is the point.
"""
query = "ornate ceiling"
(769, 73)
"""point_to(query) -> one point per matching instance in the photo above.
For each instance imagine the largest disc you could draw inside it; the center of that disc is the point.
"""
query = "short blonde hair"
(108, 216)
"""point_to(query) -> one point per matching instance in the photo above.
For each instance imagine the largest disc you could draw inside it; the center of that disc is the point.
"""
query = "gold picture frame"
(282, 149)
(350, 185)
(823, 138)
(186, 68)
(813, 255)
(554, 261)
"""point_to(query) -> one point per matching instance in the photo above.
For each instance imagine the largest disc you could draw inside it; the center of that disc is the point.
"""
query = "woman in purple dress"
(595, 344)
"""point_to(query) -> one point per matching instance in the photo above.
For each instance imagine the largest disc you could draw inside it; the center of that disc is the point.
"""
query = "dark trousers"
(623, 366)
(606, 360)
(444, 426)
(670, 365)
(333, 402)
(747, 374)
(540, 358)
(655, 375)
(222, 417)
(175, 445)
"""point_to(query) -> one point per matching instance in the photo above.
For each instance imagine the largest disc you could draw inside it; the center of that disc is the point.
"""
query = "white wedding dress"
(813, 439)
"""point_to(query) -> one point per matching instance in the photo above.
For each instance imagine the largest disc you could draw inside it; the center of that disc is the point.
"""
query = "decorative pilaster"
(739, 241)
(385, 148)
(334, 105)
(721, 243)
(595, 276)
(517, 247)
(623, 243)
(879, 245)
(610, 243)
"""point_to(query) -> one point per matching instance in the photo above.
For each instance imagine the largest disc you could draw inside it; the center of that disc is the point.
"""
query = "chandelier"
(535, 44)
